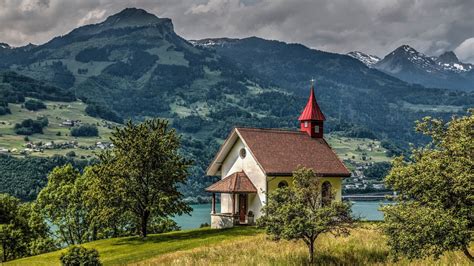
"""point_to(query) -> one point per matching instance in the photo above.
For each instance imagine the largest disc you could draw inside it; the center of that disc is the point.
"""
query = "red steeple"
(311, 119)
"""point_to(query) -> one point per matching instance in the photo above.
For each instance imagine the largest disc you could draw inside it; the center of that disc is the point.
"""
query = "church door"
(242, 207)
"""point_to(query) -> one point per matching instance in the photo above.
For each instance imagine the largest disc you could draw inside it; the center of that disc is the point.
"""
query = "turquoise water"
(366, 210)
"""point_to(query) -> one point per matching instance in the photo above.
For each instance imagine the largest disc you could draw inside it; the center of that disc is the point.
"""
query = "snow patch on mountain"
(367, 59)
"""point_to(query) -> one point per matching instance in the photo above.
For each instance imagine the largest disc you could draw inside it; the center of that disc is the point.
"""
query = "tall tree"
(300, 212)
(142, 173)
(61, 202)
(435, 210)
(22, 231)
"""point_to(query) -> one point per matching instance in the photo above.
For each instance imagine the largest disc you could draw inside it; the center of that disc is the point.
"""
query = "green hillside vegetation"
(242, 246)
(56, 113)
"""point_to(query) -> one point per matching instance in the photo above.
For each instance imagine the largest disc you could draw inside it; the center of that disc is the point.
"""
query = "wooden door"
(242, 207)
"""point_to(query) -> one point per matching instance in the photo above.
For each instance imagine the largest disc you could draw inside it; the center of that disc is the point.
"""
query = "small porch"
(238, 186)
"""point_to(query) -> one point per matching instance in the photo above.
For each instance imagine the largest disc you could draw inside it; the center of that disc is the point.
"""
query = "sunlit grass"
(245, 246)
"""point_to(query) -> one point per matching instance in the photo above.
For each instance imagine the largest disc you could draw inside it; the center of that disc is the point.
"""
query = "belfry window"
(316, 129)
(305, 123)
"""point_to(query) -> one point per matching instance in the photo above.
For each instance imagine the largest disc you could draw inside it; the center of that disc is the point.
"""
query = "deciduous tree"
(141, 174)
(299, 212)
(435, 210)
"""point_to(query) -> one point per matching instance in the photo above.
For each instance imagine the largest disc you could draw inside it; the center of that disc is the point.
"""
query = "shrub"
(80, 256)
(85, 131)
(34, 105)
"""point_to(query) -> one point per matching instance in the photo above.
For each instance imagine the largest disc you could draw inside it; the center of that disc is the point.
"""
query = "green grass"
(244, 246)
(56, 113)
(354, 149)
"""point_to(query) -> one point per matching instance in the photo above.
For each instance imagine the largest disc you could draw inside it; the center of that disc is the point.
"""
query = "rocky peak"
(448, 57)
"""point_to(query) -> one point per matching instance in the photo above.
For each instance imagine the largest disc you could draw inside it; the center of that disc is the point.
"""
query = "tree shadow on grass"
(352, 257)
(201, 234)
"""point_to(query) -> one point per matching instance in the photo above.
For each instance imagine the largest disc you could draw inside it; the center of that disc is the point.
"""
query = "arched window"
(326, 193)
(282, 184)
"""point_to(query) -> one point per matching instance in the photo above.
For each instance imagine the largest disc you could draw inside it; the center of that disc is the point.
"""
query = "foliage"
(80, 256)
(85, 131)
(15, 87)
(144, 170)
(34, 105)
(25, 177)
(30, 126)
(104, 112)
(300, 212)
(435, 210)
(377, 170)
(61, 203)
(22, 231)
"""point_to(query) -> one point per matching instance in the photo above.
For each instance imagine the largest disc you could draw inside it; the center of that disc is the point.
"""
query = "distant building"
(253, 162)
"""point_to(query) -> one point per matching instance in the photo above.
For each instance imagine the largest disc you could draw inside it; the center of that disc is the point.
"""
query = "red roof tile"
(237, 182)
(312, 110)
(280, 152)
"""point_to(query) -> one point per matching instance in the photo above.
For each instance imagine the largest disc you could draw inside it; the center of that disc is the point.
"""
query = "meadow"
(56, 112)
(244, 246)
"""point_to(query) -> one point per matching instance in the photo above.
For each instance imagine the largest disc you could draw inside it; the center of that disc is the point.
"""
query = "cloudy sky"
(373, 26)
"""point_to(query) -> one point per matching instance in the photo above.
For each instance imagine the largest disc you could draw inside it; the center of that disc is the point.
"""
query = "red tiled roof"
(312, 110)
(237, 182)
(280, 152)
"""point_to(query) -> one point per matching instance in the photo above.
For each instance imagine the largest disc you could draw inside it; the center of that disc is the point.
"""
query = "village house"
(253, 162)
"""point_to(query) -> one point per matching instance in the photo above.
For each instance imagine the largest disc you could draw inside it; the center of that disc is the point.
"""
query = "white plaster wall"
(233, 163)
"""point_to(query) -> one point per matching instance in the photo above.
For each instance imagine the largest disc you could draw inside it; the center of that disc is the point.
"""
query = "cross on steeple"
(312, 82)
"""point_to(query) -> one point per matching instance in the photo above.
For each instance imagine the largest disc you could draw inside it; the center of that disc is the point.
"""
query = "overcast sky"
(372, 26)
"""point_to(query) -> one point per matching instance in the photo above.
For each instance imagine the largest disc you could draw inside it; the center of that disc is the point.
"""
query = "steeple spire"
(311, 119)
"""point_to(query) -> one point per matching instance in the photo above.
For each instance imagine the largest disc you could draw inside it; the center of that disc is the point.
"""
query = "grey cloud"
(373, 26)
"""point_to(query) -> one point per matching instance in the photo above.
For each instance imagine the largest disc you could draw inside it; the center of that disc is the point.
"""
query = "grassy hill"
(56, 112)
(243, 246)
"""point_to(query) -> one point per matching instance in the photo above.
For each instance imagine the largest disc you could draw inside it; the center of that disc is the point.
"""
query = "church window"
(282, 184)
(316, 129)
(326, 193)
(243, 153)
(305, 123)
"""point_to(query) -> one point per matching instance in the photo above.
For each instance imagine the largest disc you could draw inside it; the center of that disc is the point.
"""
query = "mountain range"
(407, 64)
(134, 64)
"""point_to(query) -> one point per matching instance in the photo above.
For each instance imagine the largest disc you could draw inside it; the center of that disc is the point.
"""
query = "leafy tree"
(34, 105)
(85, 131)
(80, 256)
(300, 212)
(30, 126)
(22, 231)
(377, 170)
(435, 210)
(144, 170)
(61, 203)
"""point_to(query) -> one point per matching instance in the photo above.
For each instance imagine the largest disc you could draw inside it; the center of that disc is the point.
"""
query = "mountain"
(347, 90)
(135, 64)
(412, 66)
(367, 59)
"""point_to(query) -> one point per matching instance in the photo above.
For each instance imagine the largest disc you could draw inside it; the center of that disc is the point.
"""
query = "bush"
(34, 105)
(80, 256)
(85, 131)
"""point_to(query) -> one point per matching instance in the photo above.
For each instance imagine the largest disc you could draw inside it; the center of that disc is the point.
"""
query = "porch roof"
(237, 182)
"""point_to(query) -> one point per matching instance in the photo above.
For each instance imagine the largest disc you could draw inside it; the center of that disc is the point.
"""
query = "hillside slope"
(347, 90)
(249, 246)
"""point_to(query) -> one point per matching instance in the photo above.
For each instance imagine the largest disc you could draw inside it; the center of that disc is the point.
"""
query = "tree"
(61, 202)
(144, 170)
(34, 105)
(435, 210)
(22, 231)
(300, 212)
(85, 131)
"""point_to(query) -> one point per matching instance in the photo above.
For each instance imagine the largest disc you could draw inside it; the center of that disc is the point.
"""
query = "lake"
(366, 210)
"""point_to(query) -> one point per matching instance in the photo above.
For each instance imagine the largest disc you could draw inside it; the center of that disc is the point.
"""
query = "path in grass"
(133, 249)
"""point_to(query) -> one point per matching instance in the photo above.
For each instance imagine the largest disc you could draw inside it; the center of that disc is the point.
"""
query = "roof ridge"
(277, 130)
